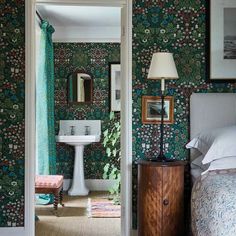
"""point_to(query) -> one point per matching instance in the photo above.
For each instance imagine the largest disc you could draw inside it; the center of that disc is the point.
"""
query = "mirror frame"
(91, 90)
(110, 85)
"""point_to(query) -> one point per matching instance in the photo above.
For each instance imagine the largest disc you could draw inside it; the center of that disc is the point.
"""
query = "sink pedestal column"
(78, 187)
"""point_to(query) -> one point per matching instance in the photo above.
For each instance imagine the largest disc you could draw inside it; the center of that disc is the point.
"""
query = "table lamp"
(162, 68)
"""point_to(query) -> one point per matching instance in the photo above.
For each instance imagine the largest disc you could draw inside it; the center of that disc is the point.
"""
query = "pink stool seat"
(48, 181)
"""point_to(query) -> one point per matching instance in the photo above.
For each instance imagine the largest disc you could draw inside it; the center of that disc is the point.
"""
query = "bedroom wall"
(12, 69)
(158, 25)
(95, 58)
(178, 27)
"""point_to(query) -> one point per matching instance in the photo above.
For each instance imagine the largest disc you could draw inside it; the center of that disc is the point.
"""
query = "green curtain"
(45, 130)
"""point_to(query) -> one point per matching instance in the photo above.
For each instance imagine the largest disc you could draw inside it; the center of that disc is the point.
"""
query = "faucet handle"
(72, 130)
(87, 130)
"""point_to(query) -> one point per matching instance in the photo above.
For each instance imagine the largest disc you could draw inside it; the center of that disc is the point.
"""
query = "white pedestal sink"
(78, 187)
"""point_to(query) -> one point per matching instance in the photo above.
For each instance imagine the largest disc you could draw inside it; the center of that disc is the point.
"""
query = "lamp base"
(162, 158)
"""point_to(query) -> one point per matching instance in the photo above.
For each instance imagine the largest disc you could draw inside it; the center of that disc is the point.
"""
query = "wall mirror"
(80, 87)
(115, 86)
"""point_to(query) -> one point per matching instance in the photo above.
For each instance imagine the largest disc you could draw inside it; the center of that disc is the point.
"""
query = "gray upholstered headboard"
(209, 111)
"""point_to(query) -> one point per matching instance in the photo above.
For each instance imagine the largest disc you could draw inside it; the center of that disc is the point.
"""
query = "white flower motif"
(162, 31)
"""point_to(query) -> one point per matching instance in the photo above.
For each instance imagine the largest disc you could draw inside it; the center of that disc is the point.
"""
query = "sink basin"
(79, 140)
(75, 140)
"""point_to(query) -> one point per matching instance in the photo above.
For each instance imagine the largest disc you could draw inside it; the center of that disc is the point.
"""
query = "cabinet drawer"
(149, 200)
(173, 201)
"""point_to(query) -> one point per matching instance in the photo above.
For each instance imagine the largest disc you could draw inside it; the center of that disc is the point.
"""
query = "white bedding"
(213, 208)
(195, 173)
(197, 168)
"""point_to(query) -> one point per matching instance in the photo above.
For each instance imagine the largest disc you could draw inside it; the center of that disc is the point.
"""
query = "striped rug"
(102, 208)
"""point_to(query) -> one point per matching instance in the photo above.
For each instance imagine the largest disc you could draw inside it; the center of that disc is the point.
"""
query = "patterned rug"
(102, 208)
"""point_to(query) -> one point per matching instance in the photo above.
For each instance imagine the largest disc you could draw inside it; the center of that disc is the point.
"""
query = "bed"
(213, 200)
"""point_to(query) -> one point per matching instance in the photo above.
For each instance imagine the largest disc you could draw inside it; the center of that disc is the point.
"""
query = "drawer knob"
(166, 202)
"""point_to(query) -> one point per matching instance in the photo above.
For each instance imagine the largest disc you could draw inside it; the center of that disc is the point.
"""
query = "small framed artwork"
(115, 86)
(221, 59)
(151, 110)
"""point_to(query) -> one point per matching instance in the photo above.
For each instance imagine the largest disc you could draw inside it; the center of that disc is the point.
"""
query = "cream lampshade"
(162, 67)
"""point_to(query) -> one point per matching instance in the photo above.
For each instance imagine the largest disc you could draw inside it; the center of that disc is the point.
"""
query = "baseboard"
(92, 184)
(12, 231)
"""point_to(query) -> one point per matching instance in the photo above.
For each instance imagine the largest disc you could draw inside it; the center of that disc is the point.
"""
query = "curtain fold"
(45, 130)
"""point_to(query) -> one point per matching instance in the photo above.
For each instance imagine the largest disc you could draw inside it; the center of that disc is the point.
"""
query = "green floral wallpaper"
(174, 25)
(95, 58)
(179, 27)
(12, 77)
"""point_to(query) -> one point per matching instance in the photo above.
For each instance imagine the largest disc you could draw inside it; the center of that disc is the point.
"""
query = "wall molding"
(126, 119)
(29, 183)
(117, 3)
(92, 184)
(86, 40)
(86, 34)
(12, 231)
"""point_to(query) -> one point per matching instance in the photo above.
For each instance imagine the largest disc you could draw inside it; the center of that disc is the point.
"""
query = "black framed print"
(115, 86)
(221, 22)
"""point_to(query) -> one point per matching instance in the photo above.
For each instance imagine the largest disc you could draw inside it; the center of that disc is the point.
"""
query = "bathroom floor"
(73, 219)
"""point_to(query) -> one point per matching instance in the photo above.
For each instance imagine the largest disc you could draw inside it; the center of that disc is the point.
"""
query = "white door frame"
(126, 115)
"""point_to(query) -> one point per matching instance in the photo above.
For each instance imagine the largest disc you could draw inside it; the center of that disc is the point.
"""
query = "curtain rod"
(37, 13)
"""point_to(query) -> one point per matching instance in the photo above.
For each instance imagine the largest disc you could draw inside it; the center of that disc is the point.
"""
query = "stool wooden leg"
(61, 197)
(56, 198)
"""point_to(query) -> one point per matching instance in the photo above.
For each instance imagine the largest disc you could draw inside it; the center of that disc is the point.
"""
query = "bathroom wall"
(178, 27)
(93, 57)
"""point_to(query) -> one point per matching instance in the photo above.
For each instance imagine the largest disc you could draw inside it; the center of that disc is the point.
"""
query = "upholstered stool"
(50, 184)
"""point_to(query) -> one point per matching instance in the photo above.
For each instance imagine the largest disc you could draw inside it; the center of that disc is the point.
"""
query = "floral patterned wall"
(12, 77)
(174, 25)
(94, 58)
(177, 26)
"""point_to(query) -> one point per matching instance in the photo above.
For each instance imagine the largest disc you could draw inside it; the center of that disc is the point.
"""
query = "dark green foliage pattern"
(12, 94)
(179, 27)
(93, 58)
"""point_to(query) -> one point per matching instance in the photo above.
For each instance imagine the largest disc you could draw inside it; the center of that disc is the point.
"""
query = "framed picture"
(151, 110)
(221, 21)
(115, 86)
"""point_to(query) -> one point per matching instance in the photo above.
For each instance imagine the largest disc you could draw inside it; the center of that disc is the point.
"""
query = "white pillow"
(222, 164)
(204, 140)
(224, 145)
(197, 164)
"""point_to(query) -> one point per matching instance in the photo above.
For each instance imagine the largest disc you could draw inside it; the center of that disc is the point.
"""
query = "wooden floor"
(73, 220)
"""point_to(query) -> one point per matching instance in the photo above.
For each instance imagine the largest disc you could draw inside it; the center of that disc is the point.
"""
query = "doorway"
(126, 122)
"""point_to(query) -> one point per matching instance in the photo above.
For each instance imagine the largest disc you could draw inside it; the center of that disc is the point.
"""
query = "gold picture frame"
(151, 110)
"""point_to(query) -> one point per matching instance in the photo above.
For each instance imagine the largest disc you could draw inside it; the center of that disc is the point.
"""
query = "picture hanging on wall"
(115, 86)
(151, 110)
(222, 40)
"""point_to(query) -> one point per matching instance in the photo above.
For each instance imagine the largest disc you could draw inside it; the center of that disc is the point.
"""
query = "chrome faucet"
(87, 130)
(72, 131)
